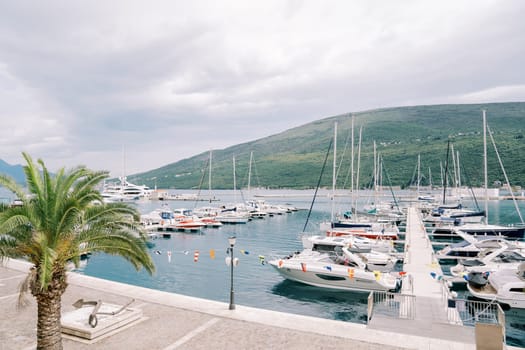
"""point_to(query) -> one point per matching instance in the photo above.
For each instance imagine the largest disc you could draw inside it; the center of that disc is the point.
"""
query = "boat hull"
(337, 277)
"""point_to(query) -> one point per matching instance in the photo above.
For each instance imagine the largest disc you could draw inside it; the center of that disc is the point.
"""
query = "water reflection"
(344, 305)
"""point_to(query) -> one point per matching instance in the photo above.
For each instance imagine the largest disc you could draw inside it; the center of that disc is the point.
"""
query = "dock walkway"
(430, 310)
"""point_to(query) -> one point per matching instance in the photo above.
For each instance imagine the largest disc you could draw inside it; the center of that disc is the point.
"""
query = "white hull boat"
(506, 286)
(320, 270)
(506, 257)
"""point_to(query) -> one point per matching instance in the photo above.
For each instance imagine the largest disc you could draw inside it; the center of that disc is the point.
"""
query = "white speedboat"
(490, 260)
(233, 215)
(478, 229)
(329, 264)
(346, 271)
(506, 286)
(473, 246)
(328, 243)
(172, 219)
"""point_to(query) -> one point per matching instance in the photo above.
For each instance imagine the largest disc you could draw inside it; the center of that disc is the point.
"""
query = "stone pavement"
(172, 321)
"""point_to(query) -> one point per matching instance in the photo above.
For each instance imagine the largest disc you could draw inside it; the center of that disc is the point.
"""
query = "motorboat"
(165, 218)
(364, 232)
(184, 220)
(124, 191)
(471, 246)
(270, 209)
(490, 260)
(160, 216)
(346, 271)
(454, 214)
(211, 222)
(232, 215)
(506, 286)
(328, 243)
(509, 232)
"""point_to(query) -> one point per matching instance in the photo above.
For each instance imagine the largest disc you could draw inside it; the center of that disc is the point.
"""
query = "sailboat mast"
(358, 168)
(459, 169)
(455, 183)
(441, 172)
(234, 183)
(250, 171)
(375, 169)
(334, 172)
(352, 160)
(485, 170)
(446, 173)
(418, 171)
(209, 175)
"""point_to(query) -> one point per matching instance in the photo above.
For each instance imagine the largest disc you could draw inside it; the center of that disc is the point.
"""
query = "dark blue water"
(257, 284)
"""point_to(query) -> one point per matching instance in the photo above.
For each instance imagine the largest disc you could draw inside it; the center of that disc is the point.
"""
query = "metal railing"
(469, 312)
(391, 305)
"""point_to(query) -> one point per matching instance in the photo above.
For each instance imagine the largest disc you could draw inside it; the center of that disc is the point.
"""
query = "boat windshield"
(323, 248)
(460, 244)
(508, 257)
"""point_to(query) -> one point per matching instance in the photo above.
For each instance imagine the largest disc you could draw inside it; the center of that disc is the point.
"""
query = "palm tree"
(57, 223)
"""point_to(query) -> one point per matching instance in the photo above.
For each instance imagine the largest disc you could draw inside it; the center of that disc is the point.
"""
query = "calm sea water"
(257, 284)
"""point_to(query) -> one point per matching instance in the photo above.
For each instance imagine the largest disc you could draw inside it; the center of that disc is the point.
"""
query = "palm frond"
(10, 183)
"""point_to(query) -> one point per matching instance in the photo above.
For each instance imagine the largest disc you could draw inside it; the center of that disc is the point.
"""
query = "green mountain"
(295, 157)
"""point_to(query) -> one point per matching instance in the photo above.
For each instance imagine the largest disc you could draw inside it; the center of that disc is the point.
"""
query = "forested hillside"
(295, 157)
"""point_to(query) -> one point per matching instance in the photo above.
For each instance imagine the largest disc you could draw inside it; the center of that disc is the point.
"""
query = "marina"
(258, 285)
(431, 304)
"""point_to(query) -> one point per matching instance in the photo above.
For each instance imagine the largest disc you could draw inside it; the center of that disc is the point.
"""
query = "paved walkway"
(172, 321)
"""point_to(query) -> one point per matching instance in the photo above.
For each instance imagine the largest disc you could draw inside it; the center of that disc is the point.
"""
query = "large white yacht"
(342, 268)
(124, 191)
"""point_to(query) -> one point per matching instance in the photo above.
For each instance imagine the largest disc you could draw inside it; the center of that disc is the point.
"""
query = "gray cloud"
(80, 81)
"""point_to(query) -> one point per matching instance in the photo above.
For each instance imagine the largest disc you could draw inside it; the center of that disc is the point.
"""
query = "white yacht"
(328, 243)
(124, 191)
(506, 286)
(490, 260)
(478, 229)
(346, 271)
(473, 246)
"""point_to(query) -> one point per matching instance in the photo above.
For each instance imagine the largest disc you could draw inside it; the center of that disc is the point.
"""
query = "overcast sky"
(86, 82)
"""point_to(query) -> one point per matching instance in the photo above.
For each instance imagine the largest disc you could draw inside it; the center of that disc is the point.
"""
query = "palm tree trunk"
(48, 324)
(48, 331)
